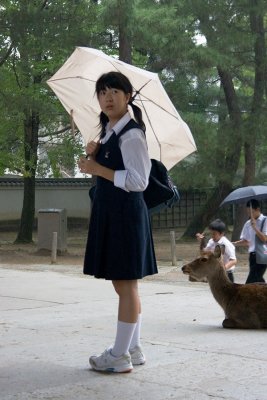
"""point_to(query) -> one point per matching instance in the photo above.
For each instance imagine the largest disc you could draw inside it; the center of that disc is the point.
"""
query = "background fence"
(191, 201)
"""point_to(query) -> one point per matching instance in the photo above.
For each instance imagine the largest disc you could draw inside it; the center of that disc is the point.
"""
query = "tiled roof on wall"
(47, 181)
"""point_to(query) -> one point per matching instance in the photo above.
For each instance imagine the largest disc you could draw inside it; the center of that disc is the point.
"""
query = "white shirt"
(135, 157)
(229, 251)
(248, 232)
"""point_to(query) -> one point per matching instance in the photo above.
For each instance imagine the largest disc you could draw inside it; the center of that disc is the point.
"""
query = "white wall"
(74, 199)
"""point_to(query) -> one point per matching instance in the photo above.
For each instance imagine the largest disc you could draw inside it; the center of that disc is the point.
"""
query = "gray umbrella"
(246, 193)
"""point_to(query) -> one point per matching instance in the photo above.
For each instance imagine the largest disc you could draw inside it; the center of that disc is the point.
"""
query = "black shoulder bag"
(161, 191)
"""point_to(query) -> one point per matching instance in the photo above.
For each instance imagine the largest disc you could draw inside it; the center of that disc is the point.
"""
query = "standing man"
(247, 238)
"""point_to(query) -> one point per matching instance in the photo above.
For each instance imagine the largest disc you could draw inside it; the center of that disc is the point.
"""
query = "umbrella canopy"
(246, 193)
(168, 136)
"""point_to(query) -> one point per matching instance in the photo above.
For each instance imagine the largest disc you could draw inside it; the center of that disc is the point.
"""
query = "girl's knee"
(125, 287)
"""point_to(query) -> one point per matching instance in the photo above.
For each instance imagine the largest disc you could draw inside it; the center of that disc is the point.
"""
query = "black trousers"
(256, 271)
(230, 276)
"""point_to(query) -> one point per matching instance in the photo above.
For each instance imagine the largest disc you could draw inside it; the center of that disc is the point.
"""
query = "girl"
(120, 246)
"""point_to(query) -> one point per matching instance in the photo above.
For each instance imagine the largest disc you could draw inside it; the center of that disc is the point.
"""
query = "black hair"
(253, 203)
(217, 225)
(117, 80)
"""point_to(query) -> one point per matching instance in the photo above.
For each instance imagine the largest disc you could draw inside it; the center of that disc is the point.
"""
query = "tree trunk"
(204, 217)
(31, 128)
(254, 121)
(125, 47)
(232, 142)
(240, 217)
(28, 210)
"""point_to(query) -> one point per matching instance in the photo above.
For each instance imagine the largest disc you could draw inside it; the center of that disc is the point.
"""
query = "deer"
(244, 305)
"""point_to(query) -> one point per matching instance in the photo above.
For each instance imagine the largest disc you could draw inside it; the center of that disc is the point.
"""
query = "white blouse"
(229, 252)
(135, 157)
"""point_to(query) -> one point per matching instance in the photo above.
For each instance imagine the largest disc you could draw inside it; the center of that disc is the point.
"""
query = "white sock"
(123, 339)
(137, 333)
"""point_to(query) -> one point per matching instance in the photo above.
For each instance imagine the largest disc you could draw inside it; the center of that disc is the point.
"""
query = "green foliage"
(189, 71)
(41, 35)
(58, 156)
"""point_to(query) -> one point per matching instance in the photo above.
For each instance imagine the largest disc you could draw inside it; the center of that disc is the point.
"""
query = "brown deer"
(244, 305)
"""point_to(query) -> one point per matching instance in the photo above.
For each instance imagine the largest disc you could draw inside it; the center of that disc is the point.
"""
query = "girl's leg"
(135, 349)
(135, 342)
(261, 269)
(118, 358)
(129, 307)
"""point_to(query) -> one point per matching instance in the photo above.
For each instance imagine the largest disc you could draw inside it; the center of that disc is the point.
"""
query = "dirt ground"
(76, 241)
(27, 256)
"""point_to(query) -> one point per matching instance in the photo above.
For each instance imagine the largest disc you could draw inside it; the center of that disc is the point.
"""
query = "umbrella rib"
(71, 77)
(154, 133)
(157, 105)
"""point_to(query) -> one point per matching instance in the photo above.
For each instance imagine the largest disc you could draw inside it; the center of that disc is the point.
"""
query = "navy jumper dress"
(120, 243)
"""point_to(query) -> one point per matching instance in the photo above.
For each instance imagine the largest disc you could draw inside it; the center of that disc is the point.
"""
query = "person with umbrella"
(120, 245)
(252, 228)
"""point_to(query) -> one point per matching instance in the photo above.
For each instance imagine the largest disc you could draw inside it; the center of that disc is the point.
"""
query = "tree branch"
(67, 128)
(9, 50)
(44, 5)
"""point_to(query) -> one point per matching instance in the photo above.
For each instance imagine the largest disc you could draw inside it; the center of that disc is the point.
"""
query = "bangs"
(113, 80)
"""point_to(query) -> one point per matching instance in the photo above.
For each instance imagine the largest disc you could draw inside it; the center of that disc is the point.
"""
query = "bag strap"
(130, 125)
(263, 221)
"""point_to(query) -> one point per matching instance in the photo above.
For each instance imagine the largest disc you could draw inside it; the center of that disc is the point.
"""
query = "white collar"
(120, 124)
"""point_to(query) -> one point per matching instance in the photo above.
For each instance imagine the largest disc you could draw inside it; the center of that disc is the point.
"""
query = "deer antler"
(202, 243)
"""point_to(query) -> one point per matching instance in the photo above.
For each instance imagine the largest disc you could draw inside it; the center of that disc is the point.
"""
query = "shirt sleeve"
(136, 161)
(244, 233)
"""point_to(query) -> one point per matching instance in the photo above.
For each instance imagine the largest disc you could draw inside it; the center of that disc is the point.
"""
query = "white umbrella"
(168, 136)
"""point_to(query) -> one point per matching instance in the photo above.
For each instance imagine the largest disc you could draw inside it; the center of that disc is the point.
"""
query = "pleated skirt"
(120, 243)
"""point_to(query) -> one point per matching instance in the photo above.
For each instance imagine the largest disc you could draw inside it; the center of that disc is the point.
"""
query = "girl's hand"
(92, 149)
(88, 166)
(94, 168)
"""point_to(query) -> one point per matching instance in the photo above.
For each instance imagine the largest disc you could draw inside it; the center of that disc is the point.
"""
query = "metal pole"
(173, 248)
(54, 248)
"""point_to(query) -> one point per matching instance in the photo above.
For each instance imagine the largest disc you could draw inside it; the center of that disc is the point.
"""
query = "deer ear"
(222, 246)
(217, 251)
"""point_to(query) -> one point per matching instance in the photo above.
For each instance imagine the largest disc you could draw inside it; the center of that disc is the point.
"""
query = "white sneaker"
(137, 356)
(108, 363)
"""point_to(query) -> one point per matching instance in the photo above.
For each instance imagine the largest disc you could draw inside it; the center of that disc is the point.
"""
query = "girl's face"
(113, 103)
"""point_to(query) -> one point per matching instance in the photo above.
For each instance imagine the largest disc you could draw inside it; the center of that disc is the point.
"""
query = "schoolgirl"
(120, 245)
